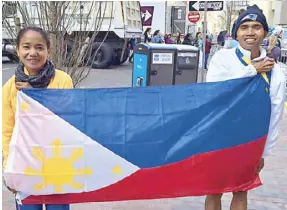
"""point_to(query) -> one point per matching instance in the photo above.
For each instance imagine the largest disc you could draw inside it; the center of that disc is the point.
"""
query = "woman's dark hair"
(187, 36)
(43, 33)
(197, 34)
(147, 30)
(156, 32)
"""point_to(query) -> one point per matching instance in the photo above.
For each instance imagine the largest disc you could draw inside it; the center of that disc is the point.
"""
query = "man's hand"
(265, 65)
(21, 85)
(260, 165)
(11, 190)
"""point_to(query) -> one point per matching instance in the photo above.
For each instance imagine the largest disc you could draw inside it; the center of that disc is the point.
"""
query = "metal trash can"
(154, 64)
(186, 68)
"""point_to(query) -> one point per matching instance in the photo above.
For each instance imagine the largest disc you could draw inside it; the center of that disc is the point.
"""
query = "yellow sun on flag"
(24, 106)
(58, 171)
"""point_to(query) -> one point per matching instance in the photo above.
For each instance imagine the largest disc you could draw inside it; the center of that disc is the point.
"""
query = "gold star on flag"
(25, 106)
(117, 170)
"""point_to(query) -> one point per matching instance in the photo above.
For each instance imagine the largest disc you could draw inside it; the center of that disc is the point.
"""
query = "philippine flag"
(88, 145)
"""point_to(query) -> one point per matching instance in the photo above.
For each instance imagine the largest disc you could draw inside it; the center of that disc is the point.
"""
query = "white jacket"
(225, 65)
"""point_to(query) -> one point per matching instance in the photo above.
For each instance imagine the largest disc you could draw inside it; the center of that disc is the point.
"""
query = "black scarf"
(41, 80)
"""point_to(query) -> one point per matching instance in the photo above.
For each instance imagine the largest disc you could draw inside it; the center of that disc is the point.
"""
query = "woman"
(167, 39)
(157, 37)
(187, 39)
(34, 71)
(178, 40)
(147, 35)
(198, 41)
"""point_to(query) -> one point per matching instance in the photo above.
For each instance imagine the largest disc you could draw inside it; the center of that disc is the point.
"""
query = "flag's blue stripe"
(159, 125)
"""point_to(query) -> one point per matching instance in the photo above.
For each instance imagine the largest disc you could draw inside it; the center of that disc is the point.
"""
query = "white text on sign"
(214, 5)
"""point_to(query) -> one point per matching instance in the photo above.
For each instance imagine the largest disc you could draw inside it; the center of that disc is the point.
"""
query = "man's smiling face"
(250, 35)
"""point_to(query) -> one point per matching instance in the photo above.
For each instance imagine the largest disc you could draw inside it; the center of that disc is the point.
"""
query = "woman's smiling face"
(33, 50)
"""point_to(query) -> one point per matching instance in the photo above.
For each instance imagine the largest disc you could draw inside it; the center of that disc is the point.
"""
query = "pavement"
(272, 195)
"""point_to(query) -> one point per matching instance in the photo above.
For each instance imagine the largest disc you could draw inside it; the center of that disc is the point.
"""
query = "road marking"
(11, 68)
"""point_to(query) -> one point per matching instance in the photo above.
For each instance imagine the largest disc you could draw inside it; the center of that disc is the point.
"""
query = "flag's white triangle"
(38, 126)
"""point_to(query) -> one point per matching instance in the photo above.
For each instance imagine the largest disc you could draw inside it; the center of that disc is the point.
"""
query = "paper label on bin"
(187, 54)
(162, 58)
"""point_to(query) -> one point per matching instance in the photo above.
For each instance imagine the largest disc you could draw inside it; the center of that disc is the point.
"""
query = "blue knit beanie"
(253, 13)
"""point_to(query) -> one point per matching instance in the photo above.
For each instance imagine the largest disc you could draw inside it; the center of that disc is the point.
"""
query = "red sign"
(193, 17)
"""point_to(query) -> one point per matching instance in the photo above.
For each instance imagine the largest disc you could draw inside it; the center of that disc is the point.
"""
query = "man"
(208, 46)
(249, 30)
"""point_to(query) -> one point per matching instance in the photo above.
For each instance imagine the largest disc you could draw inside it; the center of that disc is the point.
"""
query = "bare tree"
(72, 27)
(229, 15)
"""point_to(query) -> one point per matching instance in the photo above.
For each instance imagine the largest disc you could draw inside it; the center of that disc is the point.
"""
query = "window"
(9, 9)
(240, 3)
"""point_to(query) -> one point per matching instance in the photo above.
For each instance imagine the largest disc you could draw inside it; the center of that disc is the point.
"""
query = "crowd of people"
(188, 39)
(272, 44)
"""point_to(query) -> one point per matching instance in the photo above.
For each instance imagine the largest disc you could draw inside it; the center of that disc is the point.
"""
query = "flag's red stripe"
(227, 170)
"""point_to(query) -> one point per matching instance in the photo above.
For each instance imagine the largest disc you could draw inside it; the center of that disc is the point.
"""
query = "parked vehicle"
(125, 24)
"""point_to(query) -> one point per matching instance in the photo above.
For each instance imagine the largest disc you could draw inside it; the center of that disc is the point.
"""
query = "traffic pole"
(204, 40)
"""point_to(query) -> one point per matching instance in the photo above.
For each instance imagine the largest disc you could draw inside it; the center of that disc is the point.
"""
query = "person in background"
(273, 50)
(211, 37)
(278, 32)
(167, 39)
(208, 46)
(249, 29)
(131, 44)
(188, 39)
(157, 37)
(181, 37)
(147, 36)
(178, 36)
(198, 41)
(35, 70)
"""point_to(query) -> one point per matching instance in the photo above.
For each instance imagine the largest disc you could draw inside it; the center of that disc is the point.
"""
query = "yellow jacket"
(9, 93)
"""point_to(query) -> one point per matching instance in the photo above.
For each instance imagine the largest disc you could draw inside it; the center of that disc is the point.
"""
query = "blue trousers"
(206, 59)
(40, 207)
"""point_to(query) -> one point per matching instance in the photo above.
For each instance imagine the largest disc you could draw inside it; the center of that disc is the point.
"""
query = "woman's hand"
(11, 190)
(260, 165)
(21, 85)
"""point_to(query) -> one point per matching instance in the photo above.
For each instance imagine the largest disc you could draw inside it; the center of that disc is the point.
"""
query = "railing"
(283, 58)
(283, 64)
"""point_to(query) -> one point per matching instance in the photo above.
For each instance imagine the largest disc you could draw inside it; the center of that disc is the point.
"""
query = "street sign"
(211, 5)
(193, 17)
(147, 15)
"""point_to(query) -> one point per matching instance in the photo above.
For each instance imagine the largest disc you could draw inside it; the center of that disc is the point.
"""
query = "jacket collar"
(247, 53)
(26, 71)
